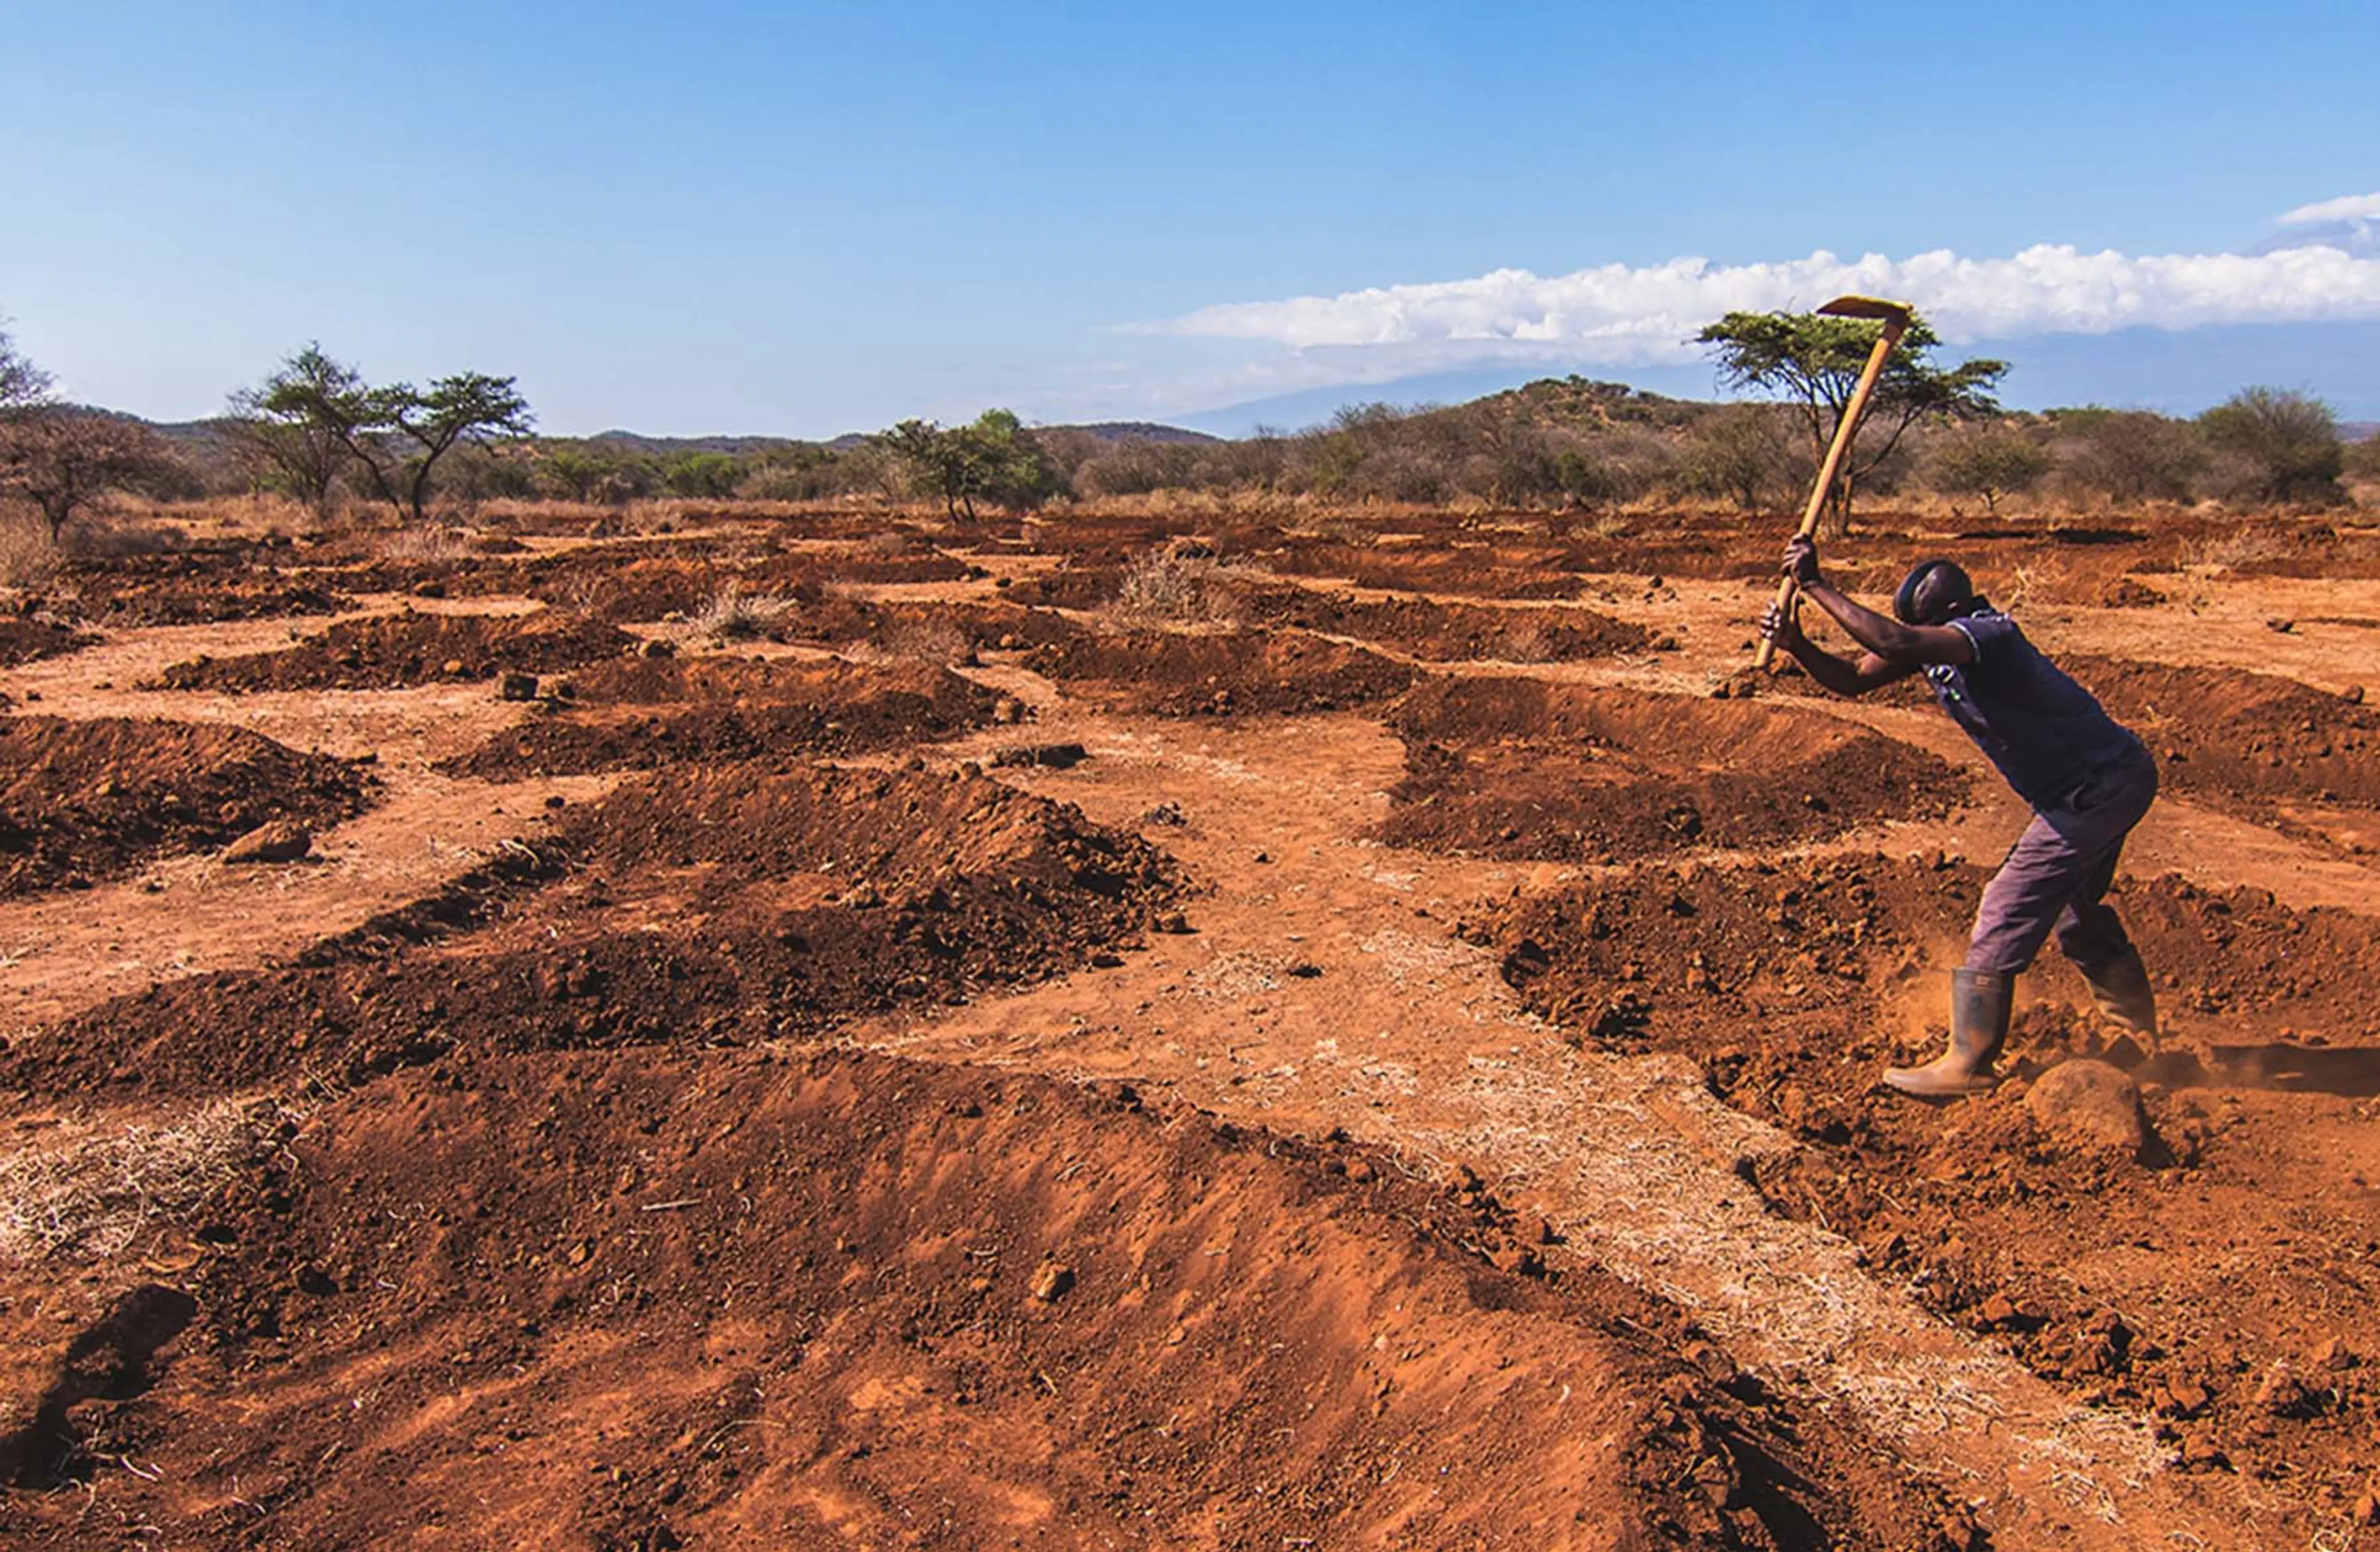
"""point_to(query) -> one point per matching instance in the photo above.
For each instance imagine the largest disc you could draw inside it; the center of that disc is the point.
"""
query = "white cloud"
(1621, 316)
(2347, 207)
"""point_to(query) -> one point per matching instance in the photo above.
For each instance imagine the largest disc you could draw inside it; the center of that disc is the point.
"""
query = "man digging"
(2088, 779)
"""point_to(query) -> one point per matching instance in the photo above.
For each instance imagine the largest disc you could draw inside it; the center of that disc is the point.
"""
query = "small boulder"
(281, 841)
(2091, 1106)
(656, 647)
(1052, 1280)
(516, 687)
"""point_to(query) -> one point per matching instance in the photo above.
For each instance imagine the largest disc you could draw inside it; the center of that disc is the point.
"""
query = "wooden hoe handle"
(1895, 316)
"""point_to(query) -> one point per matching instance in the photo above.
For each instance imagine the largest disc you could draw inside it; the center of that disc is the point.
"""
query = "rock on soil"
(1225, 674)
(97, 799)
(1521, 769)
(282, 841)
(395, 650)
(2090, 1105)
(621, 1300)
(637, 713)
(713, 905)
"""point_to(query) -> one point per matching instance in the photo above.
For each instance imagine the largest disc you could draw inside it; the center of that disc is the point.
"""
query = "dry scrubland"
(1172, 1022)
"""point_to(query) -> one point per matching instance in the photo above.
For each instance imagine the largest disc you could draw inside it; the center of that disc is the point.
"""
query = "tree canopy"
(317, 418)
(1813, 362)
(995, 460)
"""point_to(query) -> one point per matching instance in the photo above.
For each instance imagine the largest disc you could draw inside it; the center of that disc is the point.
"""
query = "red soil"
(2182, 1271)
(26, 640)
(1521, 768)
(717, 905)
(641, 1302)
(1227, 675)
(82, 801)
(632, 714)
(389, 651)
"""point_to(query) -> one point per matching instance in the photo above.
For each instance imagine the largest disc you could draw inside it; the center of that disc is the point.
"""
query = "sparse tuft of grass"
(733, 614)
(97, 1195)
(436, 542)
(1174, 586)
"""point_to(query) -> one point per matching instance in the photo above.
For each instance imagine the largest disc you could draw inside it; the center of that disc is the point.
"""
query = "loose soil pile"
(716, 905)
(2203, 1273)
(1521, 769)
(635, 713)
(1223, 674)
(1450, 632)
(25, 640)
(392, 651)
(2249, 739)
(82, 801)
(630, 1302)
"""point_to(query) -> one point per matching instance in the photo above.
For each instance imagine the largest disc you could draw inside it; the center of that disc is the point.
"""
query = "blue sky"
(795, 219)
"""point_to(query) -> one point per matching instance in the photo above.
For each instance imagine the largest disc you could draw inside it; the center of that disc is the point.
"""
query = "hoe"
(1894, 315)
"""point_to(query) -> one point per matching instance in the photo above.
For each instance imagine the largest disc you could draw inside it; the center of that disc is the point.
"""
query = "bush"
(2288, 442)
(2130, 455)
(1743, 453)
(1989, 460)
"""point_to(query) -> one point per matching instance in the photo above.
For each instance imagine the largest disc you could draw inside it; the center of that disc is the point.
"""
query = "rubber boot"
(1980, 1005)
(2122, 991)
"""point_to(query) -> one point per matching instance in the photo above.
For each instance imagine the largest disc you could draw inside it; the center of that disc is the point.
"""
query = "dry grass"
(1173, 588)
(733, 614)
(97, 1195)
(435, 542)
(2243, 546)
(27, 558)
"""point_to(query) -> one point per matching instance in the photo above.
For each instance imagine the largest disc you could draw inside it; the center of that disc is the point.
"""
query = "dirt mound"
(1450, 632)
(1520, 768)
(82, 801)
(624, 1301)
(1224, 675)
(1473, 570)
(195, 589)
(391, 651)
(637, 713)
(873, 565)
(1071, 585)
(2220, 1240)
(24, 641)
(2250, 738)
(713, 905)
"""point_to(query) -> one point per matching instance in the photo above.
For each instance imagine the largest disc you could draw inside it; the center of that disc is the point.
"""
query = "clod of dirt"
(97, 798)
(641, 713)
(393, 650)
(2090, 1105)
(281, 840)
(1224, 675)
(1521, 769)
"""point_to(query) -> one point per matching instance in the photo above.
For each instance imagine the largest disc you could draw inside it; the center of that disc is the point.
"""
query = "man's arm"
(1884, 638)
(1842, 675)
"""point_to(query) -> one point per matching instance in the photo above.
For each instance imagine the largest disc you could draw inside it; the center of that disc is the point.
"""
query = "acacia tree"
(995, 459)
(317, 413)
(24, 387)
(63, 461)
(281, 435)
(1813, 362)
